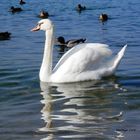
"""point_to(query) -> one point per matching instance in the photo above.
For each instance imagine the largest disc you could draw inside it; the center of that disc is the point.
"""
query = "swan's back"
(84, 53)
(83, 58)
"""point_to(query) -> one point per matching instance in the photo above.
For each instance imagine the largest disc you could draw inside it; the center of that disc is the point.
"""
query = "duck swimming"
(70, 43)
(103, 17)
(22, 2)
(14, 10)
(43, 14)
(80, 8)
(4, 35)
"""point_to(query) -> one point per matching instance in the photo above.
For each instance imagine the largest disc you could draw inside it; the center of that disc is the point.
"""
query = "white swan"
(87, 61)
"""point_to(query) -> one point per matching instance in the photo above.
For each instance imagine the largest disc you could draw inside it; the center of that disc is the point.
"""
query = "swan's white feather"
(81, 63)
(83, 53)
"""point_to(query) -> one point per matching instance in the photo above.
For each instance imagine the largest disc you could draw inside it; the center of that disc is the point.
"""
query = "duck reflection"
(82, 110)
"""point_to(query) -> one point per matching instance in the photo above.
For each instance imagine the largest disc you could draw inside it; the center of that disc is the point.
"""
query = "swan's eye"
(39, 24)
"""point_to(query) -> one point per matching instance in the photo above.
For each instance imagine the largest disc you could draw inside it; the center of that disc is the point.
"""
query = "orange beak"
(35, 28)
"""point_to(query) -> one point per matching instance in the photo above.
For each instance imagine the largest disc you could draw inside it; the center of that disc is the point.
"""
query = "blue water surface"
(107, 109)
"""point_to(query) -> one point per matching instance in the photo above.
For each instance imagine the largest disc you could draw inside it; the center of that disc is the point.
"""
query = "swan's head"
(44, 24)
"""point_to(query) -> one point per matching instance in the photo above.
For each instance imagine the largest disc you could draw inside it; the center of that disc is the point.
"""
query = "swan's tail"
(118, 58)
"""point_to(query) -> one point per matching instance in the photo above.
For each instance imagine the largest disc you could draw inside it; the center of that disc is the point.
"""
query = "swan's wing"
(82, 57)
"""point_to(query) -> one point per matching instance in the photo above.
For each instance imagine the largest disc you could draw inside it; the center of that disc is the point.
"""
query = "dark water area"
(107, 109)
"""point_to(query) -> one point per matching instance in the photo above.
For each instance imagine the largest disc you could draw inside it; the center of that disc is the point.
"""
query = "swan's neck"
(46, 67)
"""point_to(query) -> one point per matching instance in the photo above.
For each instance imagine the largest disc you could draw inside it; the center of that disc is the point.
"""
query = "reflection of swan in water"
(46, 112)
(80, 110)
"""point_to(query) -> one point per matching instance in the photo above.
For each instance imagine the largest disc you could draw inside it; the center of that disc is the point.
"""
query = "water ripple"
(99, 110)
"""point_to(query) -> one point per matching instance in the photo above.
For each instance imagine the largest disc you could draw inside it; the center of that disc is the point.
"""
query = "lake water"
(107, 109)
